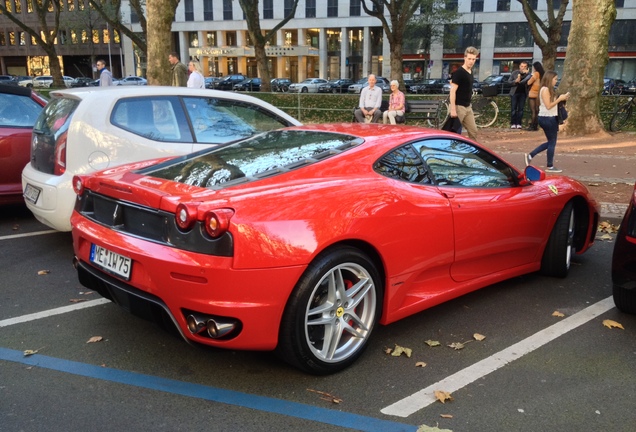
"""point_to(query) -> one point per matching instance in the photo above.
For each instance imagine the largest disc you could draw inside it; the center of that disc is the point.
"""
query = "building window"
(230, 38)
(22, 38)
(134, 18)
(227, 10)
(193, 38)
(623, 36)
(332, 8)
(211, 37)
(534, 4)
(477, 5)
(565, 32)
(503, 5)
(556, 4)
(288, 7)
(513, 35)
(189, 10)
(3, 41)
(310, 8)
(620, 3)
(268, 9)
(208, 7)
(451, 5)
(354, 8)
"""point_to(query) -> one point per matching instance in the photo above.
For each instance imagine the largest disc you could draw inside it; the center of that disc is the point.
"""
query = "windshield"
(264, 155)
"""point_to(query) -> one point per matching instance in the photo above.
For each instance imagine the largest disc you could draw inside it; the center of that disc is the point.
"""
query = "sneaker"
(519, 127)
(553, 170)
(527, 158)
(513, 126)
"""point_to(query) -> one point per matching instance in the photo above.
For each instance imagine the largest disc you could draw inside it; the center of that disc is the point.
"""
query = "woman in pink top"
(396, 104)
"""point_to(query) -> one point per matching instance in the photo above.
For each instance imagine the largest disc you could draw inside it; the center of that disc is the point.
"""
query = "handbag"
(562, 112)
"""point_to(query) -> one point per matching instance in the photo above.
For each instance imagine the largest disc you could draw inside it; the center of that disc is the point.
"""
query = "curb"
(612, 212)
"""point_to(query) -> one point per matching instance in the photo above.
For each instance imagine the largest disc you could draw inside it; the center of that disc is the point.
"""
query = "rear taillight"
(217, 222)
(186, 215)
(60, 154)
(78, 185)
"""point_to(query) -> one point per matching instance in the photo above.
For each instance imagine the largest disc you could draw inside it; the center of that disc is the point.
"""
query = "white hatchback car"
(89, 129)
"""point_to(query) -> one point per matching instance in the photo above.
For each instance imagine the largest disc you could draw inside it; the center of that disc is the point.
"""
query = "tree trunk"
(160, 17)
(585, 63)
(261, 61)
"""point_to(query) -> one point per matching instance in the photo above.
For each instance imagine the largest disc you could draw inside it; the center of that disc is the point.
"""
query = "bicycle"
(484, 108)
(622, 115)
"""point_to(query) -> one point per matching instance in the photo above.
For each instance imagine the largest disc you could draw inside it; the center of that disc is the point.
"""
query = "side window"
(403, 164)
(159, 119)
(18, 111)
(457, 163)
(217, 121)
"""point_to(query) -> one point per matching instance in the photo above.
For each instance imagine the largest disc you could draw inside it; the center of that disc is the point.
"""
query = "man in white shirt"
(105, 77)
(370, 101)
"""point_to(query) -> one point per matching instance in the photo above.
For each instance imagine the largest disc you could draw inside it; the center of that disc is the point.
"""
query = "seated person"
(368, 110)
(396, 104)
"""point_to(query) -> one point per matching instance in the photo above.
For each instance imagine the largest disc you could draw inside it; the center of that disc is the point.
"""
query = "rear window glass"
(158, 119)
(18, 111)
(217, 121)
(56, 114)
(262, 156)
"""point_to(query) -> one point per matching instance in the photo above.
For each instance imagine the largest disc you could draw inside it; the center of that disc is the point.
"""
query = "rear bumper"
(56, 200)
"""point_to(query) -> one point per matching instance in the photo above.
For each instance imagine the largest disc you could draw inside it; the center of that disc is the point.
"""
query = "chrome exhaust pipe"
(217, 328)
(196, 323)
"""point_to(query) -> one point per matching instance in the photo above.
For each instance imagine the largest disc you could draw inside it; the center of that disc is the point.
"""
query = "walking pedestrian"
(534, 84)
(196, 79)
(105, 77)
(179, 74)
(548, 119)
(461, 92)
(518, 94)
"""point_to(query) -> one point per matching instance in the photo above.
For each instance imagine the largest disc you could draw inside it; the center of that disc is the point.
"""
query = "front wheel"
(443, 111)
(485, 112)
(305, 90)
(560, 248)
(620, 117)
(331, 312)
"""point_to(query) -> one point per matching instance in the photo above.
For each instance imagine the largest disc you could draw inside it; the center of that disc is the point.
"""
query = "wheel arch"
(585, 229)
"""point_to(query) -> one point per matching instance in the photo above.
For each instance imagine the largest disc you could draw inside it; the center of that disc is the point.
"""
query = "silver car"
(310, 85)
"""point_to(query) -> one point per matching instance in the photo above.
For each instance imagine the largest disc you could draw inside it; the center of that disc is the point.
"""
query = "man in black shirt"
(462, 91)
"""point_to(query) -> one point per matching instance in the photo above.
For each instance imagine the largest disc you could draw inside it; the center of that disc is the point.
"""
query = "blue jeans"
(550, 126)
(517, 105)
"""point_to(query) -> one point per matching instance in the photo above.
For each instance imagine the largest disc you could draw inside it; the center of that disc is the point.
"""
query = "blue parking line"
(261, 403)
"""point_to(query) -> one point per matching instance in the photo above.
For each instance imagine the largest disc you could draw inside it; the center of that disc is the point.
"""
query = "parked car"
(8, 80)
(335, 86)
(500, 81)
(132, 80)
(87, 129)
(260, 252)
(82, 82)
(250, 84)
(310, 85)
(95, 83)
(228, 81)
(46, 81)
(381, 82)
(624, 261)
(210, 82)
(19, 108)
(430, 86)
(280, 84)
(447, 86)
(614, 86)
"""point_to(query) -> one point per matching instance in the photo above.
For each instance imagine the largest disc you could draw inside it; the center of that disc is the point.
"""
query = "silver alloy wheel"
(340, 313)
(569, 249)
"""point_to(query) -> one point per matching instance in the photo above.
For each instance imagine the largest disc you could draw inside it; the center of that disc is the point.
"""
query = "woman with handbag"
(548, 119)
(534, 84)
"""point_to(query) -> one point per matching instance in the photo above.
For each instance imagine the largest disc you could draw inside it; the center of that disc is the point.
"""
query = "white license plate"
(111, 261)
(32, 193)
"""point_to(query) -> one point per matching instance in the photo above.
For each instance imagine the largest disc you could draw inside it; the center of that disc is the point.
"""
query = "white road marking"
(14, 236)
(426, 397)
(51, 312)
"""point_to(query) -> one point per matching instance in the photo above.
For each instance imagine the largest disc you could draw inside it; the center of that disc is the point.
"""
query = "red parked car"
(303, 239)
(19, 108)
(624, 261)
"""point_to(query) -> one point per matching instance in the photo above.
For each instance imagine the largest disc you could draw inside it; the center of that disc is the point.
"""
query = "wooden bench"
(417, 110)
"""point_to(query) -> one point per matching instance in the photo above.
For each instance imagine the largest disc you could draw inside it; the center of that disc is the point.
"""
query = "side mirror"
(534, 174)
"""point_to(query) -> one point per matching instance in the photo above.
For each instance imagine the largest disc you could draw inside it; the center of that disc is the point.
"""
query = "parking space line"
(51, 312)
(260, 403)
(426, 397)
(15, 236)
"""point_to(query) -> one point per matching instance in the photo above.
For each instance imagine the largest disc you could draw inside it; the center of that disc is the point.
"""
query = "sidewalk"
(606, 164)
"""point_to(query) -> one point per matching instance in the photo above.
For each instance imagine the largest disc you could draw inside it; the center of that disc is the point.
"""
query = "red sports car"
(303, 239)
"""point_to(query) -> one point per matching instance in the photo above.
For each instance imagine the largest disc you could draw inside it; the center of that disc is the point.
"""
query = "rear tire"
(620, 117)
(331, 312)
(560, 248)
(624, 299)
(485, 112)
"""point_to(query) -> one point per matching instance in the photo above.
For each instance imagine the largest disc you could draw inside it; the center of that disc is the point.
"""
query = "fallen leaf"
(446, 416)
(479, 337)
(399, 350)
(420, 364)
(456, 345)
(443, 396)
(425, 428)
(607, 227)
(432, 343)
(43, 272)
(558, 314)
(388, 350)
(326, 396)
(95, 339)
(611, 323)
(605, 237)
(77, 300)
(30, 352)
(16, 227)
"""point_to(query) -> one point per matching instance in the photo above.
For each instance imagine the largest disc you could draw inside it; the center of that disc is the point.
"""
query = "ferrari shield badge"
(554, 189)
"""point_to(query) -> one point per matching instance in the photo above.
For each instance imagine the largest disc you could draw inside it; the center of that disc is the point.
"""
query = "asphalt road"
(532, 372)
